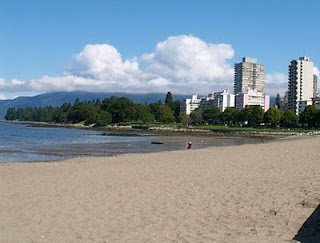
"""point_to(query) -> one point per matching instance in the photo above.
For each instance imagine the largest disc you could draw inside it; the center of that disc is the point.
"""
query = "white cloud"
(13, 85)
(191, 64)
(276, 83)
(104, 62)
(2, 97)
(180, 64)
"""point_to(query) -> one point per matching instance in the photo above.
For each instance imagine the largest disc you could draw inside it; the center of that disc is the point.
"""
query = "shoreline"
(169, 131)
(249, 193)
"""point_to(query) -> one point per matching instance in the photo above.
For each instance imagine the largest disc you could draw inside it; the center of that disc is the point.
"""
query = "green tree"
(230, 115)
(176, 108)
(196, 117)
(309, 116)
(211, 115)
(103, 118)
(166, 114)
(273, 116)
(184, 118)
(61, 114)
(251, 114)
(155, 110)
(121, 109)
(289, 119)
(11, 114)
(169, 100)
(318, 118)
(278, 101)
(142, 113)
(83, 111)
(98, 102)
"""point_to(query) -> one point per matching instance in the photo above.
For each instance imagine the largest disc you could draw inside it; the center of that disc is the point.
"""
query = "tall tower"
(248, 75)
(315, 86)
(301, 82)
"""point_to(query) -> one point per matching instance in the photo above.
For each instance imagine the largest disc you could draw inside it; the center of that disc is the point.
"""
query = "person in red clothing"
(189, 145)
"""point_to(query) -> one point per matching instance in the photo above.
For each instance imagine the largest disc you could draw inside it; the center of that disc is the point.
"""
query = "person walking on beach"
(189, 145)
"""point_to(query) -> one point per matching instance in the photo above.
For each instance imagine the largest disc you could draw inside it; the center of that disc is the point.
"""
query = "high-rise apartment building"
(301, 84)
(315, 85)
(248, 75)
(249, 84)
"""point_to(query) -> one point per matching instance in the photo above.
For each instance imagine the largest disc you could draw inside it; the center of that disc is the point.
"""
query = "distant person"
(189, 145)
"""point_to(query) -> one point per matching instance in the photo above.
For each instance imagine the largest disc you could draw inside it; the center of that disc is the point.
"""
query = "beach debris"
(156, 142)
(273, 212)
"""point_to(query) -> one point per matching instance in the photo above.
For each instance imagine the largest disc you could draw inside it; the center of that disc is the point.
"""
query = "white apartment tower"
(249, 84)
(248, 75)
(315, 85)
(301, 84)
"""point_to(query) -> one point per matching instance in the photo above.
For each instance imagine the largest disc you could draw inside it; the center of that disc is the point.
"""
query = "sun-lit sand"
(251, 193)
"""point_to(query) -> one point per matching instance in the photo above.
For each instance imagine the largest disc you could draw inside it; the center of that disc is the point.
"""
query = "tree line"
(254, 116)
(115, 110)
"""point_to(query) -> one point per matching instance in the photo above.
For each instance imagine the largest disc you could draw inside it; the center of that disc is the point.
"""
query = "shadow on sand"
(310, 230)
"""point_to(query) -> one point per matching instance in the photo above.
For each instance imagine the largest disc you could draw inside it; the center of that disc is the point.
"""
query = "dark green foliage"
(212, 115)
(196, 117)
(174, 105)
(103, 118)
(121, 109)
(230, 116)
(11, 114)
(61, 114)
(184, 118)
(176, 108)
(142, 113)
(289, 119)
(251, 114)
(273, 116)
(111, 110)
(278, 101)
(166, 114)
(169, 101)
(39, 114)
(309, 116)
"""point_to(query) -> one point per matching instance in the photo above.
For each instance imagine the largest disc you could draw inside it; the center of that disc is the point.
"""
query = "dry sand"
(249, 193)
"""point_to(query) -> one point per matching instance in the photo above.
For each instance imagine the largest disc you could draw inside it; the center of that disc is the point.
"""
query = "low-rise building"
(207, 102)
(252, 98)
(303, 104)
(316, 102)
(189, 105)
(224, 99)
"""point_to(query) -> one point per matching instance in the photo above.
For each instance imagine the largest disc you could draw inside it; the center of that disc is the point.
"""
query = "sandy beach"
(248, 193)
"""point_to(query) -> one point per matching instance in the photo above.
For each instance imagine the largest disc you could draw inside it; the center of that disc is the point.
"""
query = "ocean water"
(24, 143)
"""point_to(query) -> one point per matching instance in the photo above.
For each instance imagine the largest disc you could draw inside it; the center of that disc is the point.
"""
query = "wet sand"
(248, 193)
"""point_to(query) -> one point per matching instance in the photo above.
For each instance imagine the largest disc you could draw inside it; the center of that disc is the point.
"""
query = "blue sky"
(150, 46)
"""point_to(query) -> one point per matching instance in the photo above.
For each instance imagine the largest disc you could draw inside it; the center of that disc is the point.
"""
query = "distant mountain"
(58, 98)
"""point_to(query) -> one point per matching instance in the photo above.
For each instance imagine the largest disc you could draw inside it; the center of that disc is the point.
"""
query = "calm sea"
(23, 143)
